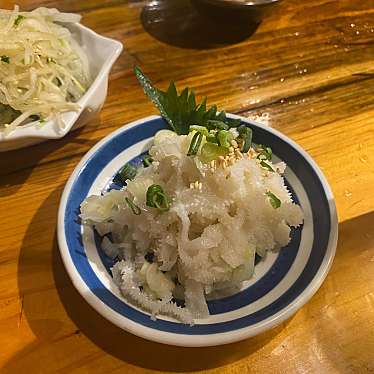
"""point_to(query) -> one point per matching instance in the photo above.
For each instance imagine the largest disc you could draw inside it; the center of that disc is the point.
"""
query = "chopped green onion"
(265, 153)
(135, 209)
(245, 133)
(126, 172)
(147, 161)
(156, 198)
(214, 124)
(201, 129)
(221, 116)
(4, 58)
(211, 151)
(212, 138)
(42, 120)
(233, 122)
(274, 201)
(225, 138)
(266, 166)
(18, 20)
(195, 144)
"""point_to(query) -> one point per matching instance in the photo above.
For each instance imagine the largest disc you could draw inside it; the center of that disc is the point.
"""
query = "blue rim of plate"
(170, 332)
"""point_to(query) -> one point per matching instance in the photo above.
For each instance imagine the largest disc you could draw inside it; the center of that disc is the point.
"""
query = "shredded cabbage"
(43, 70)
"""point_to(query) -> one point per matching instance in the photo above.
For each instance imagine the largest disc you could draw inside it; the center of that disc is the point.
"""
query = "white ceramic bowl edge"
(102, 52)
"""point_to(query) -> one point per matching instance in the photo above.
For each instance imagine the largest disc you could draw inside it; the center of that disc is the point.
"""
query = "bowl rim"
(196, 340)
(235, 4)
(47, 131)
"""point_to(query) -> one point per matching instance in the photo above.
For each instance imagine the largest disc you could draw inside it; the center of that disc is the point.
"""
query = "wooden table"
(308, 70)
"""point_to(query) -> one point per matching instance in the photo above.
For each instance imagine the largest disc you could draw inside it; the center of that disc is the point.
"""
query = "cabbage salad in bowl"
(43, 70)
(188, 223)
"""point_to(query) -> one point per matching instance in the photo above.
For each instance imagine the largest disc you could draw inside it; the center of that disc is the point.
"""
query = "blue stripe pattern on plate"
(123, 140)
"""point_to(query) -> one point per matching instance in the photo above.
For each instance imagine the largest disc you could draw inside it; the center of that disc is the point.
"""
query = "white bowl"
(102, 52)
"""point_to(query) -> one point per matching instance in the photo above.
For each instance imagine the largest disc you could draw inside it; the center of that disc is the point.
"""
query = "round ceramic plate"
(282, 283)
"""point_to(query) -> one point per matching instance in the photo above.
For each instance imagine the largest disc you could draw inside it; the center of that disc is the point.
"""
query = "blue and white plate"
(283, 281)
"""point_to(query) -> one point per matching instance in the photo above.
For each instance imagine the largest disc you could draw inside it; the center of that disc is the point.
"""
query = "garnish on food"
(245, 133)
(264, 153)
(195, 144)
(147, 160)
(189, 222)
(135, 209)
(181, 111)
(156, 198)
(19, 18)
(266, 166)
(274, 201)
(127, 171)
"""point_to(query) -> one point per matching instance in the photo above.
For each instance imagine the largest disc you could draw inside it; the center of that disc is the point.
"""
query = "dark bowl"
(229, 11)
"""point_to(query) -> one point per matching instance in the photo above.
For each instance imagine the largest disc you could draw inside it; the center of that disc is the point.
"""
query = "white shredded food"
(220, 216)
(43, 70)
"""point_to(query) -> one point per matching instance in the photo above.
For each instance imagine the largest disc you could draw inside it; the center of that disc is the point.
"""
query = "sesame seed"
(234, 143)
(196, 184)
(231, 149)
(238, 153)
(191, 186)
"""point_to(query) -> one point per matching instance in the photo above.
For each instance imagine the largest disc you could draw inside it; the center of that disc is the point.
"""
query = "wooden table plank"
(307, 71)
(333, 331)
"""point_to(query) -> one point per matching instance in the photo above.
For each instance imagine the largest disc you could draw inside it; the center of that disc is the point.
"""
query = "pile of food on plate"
(188, 223)
(43, 70)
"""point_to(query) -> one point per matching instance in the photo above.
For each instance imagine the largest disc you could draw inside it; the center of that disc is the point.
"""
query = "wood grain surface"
(307, 70)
